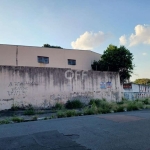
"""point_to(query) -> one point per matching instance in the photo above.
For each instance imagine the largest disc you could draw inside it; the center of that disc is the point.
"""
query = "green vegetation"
(95, 106)
(50, 46)
(146, 101)
(59, 106)
(5, 121)
(116, 59)
(17, 119)
(142, 81)
(29, 112)
(61, 114)
(74, 104)
(70, 113)
(15, 107)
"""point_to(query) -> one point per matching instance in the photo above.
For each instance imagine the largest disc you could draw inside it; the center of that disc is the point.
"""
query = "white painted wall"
(58, 58)
(137, 92)
(43, 87)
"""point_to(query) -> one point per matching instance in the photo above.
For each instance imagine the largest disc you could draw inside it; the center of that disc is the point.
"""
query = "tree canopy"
(50, 46)
(142, 81)
(116, 59)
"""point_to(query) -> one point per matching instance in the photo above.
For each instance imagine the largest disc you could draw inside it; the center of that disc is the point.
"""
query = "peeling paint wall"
(43, 87)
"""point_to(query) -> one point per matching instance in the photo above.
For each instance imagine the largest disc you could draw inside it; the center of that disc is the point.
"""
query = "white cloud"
(141, 36)
(89, 40)
(144, 54)
(123, 40)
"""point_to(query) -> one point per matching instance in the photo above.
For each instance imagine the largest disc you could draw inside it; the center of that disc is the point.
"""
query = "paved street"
(116, 131)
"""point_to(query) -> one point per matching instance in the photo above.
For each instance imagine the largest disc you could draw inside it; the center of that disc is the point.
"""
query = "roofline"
(50, 48)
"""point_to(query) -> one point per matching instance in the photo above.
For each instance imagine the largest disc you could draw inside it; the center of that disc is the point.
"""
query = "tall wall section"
(43, 87)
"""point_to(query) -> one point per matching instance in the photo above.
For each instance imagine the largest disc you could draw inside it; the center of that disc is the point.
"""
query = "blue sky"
(80, 24)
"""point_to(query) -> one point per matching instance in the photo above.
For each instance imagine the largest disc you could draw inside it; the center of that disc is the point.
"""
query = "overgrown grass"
(133, 105)
(61, 114)
(17, 119)
(15, 107)
(29, 112)
(146, 101)
(95, 106)
(74, 104)
(70, 113)
(5, 121)
(100, 103)
(59, 106)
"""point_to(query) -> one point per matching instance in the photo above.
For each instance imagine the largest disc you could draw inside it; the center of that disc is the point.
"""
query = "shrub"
(15, 107)
(79, 113)
(59, 106)
(61, 114)
(97, 102)
(6, 121)
(91, 111)
(120, 108)
(146, 101)
(139, 105)
(100, 103)
(105, 110)
(70, 113)
(17, 119)
(147, 107)
(113, 106)
(132, 106)
(120, 103)
(74, 104)
(29, 112)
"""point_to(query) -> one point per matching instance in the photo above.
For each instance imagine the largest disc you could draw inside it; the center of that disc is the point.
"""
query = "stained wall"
(44, 87)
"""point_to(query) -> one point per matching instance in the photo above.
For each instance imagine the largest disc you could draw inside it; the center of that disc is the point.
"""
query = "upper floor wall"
(11, 55)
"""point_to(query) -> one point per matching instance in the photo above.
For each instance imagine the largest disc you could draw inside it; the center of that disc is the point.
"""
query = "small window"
(71, 62)
(42, 59)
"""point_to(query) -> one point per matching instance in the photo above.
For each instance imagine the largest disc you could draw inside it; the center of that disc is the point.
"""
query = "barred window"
(42, 59)
(71, 62)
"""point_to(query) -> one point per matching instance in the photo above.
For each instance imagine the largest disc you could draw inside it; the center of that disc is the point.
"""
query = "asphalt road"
(117, 131)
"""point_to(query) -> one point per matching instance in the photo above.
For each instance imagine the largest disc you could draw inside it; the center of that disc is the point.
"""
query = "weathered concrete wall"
(43, 87)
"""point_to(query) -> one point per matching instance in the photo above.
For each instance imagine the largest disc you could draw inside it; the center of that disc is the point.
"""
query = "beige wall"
(58, 58)
(43, 87)
(7, 55)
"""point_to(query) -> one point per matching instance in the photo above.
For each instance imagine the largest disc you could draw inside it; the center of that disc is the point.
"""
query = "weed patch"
(59, 106)
(17, 119)
(29, 112)
(74, 104)
(6, 121)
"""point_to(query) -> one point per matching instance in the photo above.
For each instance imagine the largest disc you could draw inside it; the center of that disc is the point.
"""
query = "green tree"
(116, 59)
(142, 81)
(50, 46)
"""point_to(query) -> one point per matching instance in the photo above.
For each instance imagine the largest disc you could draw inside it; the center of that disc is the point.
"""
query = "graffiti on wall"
(19, 88)
(11, 99)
